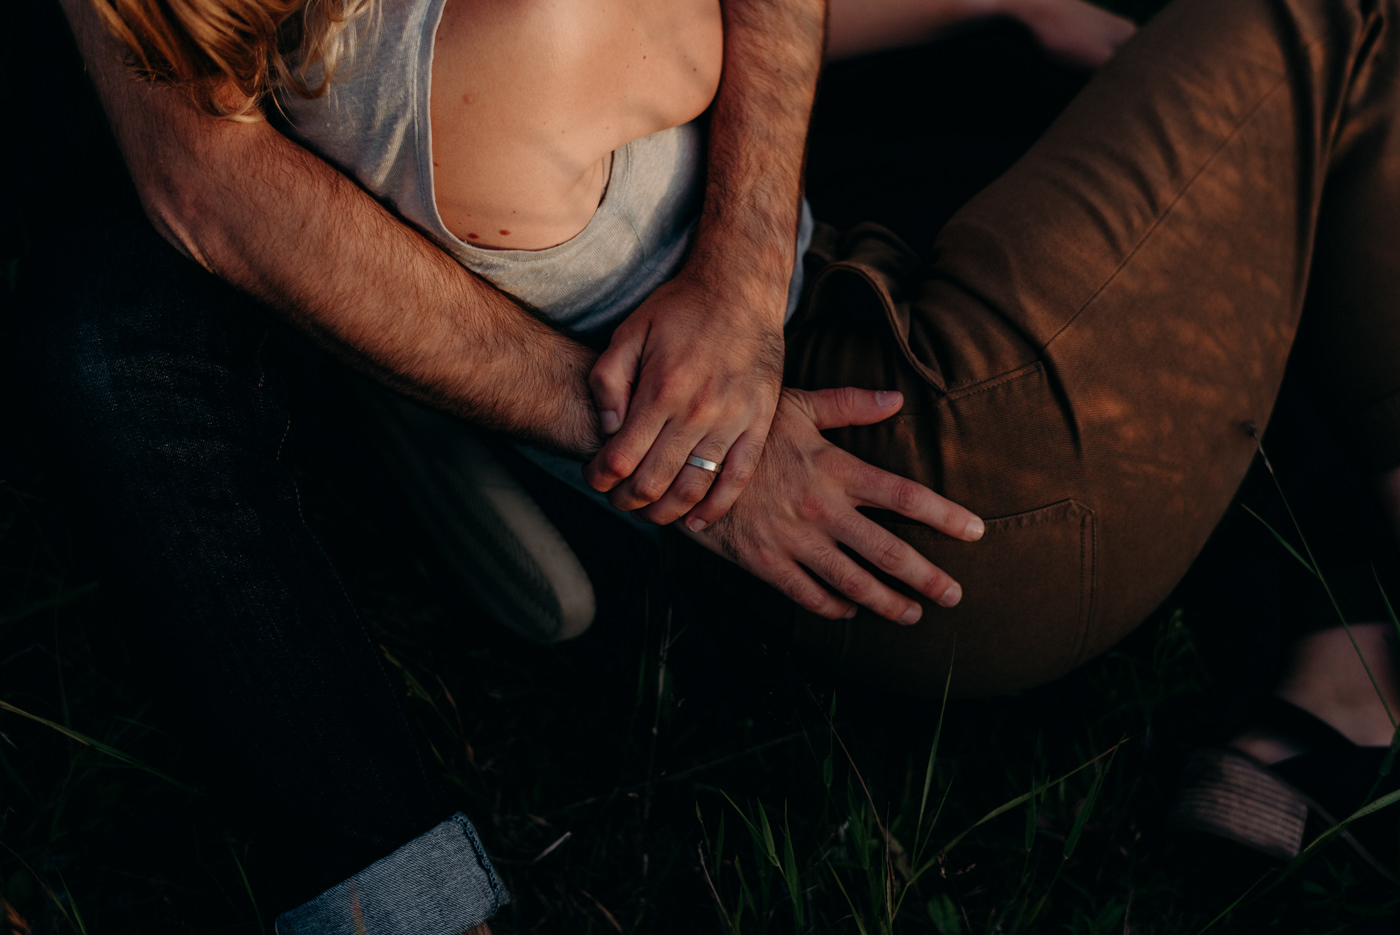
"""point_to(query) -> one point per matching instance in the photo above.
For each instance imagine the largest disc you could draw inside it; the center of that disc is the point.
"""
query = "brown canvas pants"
(1083, 353)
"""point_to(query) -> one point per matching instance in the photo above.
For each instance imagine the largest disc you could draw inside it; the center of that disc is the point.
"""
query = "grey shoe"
(489, 532)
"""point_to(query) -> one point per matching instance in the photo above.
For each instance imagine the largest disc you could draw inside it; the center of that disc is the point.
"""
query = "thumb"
(612, 378)
(848, 405)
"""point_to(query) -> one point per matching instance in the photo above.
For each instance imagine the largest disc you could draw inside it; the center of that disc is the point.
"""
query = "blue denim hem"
(440, 883)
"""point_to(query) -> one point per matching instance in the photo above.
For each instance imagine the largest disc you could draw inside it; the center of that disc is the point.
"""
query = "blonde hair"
(254, 46)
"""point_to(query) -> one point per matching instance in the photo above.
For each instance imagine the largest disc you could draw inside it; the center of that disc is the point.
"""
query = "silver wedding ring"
(703, 464)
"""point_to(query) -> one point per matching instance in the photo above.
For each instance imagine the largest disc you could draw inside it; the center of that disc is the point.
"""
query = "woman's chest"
(529, 98)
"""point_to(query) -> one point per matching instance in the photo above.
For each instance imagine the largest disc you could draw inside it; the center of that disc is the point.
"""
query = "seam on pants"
(1176, 199)
(974, 387)
(1088, 585)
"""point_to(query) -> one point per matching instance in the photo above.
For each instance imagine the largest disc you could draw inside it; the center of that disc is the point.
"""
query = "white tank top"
(373, 122)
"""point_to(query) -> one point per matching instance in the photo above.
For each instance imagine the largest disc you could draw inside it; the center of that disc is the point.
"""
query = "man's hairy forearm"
(758, 133)
(275, 221)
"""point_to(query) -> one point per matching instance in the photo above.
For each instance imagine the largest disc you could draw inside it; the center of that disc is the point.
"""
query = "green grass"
(641, 796)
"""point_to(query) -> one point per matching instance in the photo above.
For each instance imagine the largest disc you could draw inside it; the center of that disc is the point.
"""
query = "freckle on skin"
(505, 233)
(467, 99)
(473, 236)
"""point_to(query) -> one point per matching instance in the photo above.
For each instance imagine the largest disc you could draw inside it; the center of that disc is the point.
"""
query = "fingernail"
(888, 398)
(609, 420)
(912, 615)
(850, 612)
(974, 530)
(695, 524)
(951, 596)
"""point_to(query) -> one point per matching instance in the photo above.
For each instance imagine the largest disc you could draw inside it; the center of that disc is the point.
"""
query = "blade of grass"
(76, 919)
(1389, 762)
(768, 845)
(719, 903)
(1282, 541)
(1303, 856)
(1021, 799)
(855, 915)
(932, 758)
(1312, 563)
(248, 889)
(790, 873)
(49, 603)
(97, 745)
(1077, 829)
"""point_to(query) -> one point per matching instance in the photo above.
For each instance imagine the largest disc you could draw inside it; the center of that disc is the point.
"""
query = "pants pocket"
(1028, 604)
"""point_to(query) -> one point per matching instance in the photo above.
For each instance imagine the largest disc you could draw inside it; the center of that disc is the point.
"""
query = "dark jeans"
(160, 394)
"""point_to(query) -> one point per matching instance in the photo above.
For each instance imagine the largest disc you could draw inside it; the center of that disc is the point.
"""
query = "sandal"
(1227, 793)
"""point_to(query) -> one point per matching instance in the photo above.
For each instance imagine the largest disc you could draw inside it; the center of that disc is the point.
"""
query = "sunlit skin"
(1324, 673)
(521, 153)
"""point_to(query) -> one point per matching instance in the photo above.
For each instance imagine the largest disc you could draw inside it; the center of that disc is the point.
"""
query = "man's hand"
(692, 371)
(697, 368)
(799, 518)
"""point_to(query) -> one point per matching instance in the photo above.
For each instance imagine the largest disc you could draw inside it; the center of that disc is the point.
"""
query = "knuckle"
(623, 501)
(649, 489)
(616, 464)
(702, 409)
(906, 497)
(671, 386)
(691, 491)
(848, 399)
(795, 585)
(660, 515)
(890, 554)
(598, 378)
(740, 473)
(935, 583)
(810, 506)
(855, 584)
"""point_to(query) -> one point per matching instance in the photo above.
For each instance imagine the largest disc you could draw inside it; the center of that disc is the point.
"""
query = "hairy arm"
(272, 219)
(698, 367)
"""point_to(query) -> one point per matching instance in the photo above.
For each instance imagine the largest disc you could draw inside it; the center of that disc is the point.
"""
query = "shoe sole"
(494, 539)
(1229, 794)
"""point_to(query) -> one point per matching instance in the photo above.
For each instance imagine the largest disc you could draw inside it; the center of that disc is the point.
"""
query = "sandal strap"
(1277, 716)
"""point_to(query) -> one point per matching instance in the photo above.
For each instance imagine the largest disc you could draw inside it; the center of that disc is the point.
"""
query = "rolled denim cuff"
(440, 883)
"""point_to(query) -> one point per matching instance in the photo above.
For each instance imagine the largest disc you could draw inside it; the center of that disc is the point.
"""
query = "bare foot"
(1073, 32)
(1326, 678)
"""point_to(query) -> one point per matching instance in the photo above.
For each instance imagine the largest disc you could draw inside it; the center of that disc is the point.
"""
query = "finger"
(874, 487)
(619, 458)
(848, 405)
(740, 462)
(613, 378)
(692, 484)
(901, 561)
(830, 563)
(798, 585)
(661, 465)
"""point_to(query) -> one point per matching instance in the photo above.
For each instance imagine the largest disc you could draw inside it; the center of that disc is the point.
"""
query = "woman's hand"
(798, 520)
(1073, 32)
(695, 370)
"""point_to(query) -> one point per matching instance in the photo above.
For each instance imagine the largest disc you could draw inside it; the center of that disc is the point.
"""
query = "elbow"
(171, 204)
